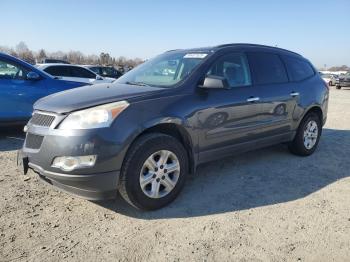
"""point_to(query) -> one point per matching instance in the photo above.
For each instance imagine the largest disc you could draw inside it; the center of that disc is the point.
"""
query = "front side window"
(95, 69)
(234, 68)
(267, 68)
(58, 71)
(164, 70)
(108, 71)
(10, 70)
(298, 69)
(81, 72)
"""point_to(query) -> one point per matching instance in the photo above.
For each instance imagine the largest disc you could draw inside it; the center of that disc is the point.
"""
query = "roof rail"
(172, 50)
(255, 45)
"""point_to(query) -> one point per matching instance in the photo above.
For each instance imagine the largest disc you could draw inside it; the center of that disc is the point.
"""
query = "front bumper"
(92, 187)
(97, 182)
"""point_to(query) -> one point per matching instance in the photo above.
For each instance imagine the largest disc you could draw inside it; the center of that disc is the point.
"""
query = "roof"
(237, 45)
(255, 46)
(55, 64)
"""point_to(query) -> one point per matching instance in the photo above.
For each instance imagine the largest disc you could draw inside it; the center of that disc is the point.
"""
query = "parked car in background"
(145, 132)
(74, 73)
(330, 79)
(56, 61)
(21, 85)
(105, 71)
(344, 81)
(337, 80)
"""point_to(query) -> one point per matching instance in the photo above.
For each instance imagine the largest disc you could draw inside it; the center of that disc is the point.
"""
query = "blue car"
(21, 85)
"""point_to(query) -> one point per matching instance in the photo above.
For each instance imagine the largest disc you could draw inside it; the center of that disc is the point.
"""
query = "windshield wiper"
(134, 83)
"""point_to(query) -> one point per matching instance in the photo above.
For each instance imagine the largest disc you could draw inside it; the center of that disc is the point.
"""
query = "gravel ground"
(266, 205)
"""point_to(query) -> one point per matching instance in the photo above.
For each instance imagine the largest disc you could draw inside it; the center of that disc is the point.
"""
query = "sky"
(319, 30)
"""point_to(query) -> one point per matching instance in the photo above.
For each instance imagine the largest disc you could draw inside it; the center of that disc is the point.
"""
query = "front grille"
(33, 141)
(42, 119)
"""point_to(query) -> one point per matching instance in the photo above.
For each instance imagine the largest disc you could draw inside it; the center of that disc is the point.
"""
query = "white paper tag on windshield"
(195, 55)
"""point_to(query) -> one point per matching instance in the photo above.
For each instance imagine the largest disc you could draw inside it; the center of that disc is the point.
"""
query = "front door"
(229, 117)
(17, 94)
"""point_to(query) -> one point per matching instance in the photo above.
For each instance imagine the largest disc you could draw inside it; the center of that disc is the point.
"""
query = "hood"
(88, 96)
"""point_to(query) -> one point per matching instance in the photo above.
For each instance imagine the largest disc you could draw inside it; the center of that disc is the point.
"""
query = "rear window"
(298, 69)
(267, 68)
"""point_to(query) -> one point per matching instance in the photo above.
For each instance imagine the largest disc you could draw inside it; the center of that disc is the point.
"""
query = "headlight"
(95, 117)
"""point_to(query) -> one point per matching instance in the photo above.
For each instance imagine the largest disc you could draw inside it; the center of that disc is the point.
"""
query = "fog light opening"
(69, 163)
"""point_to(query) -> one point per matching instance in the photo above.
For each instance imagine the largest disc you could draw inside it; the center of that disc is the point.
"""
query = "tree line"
(74, 57)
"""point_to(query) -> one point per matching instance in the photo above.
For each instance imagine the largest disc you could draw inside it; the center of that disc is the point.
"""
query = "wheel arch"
(171, 127)
(315, 109)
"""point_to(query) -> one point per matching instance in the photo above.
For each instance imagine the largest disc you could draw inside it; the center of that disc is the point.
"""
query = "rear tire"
(145, 182)
(308, 135)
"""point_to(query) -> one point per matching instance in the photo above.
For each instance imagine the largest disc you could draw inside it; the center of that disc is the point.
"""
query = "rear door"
(17, 93)
(277, 96)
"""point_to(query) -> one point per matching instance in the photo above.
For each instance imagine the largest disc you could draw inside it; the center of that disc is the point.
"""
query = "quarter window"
(267, 68)
(234, 68)
(298, 69)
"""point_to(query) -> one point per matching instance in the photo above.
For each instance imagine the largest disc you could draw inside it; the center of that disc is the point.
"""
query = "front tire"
(308, 135)
(154, 171)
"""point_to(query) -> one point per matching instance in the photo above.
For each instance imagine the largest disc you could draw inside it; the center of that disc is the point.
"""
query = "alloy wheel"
(159, 174)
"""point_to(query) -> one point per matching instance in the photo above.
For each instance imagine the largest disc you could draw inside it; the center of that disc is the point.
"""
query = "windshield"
(164, 70)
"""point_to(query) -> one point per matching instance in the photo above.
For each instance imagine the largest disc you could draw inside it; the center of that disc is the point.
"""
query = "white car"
(74, 73)
(329, 79)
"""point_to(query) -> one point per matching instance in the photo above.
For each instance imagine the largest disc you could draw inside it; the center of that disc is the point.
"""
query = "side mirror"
(215, 82)
(33, 76)
(99, 77)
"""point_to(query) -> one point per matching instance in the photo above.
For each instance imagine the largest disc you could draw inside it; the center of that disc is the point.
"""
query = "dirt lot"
(267, 205)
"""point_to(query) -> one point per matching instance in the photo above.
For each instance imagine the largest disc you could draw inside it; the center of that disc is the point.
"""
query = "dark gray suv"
(145, 132)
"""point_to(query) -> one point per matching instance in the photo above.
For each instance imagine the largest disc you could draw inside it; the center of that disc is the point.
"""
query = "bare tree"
(41, 55)
(22, 48)
(22, 51)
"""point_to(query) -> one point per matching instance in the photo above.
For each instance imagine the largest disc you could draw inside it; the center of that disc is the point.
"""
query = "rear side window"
(267, 68)
(298, 69)
(58, 71)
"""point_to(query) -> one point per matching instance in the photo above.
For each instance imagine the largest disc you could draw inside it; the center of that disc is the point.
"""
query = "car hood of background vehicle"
(88, 96)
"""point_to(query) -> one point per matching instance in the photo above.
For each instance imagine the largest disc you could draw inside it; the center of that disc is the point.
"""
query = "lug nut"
(158, 180)
(156, 169)
(165, 170)
(163, 177)
(161, 167)
(154, 176)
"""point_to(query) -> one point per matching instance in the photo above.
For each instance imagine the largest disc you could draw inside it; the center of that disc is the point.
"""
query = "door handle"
(253, 99)
(294, 94)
